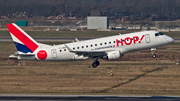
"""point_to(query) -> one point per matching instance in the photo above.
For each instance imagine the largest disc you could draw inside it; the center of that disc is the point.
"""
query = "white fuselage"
(123, 43)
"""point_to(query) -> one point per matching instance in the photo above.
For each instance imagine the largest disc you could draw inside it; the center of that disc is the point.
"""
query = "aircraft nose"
(170, 40)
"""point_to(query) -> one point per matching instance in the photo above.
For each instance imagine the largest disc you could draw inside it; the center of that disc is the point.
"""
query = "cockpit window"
(156, 34)
(161, 33)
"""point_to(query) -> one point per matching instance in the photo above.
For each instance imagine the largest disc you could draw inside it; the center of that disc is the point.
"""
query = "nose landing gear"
(153, 50)
(154, 55)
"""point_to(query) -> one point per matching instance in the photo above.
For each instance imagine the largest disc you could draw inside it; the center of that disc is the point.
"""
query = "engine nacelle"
(113, 55)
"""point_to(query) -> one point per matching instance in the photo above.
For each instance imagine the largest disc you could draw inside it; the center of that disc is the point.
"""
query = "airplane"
(110, 48)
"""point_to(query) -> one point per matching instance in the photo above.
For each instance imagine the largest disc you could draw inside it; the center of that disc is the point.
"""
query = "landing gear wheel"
(95, 64)
(153, 50)
(154, 56)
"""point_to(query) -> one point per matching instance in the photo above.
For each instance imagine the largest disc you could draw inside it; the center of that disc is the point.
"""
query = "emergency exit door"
(147, 38)
(53, 52)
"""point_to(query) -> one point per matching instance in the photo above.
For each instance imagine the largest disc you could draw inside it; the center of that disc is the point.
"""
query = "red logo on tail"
(22, 37)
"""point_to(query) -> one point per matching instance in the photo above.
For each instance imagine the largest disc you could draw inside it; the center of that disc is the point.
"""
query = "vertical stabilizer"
(23, 42)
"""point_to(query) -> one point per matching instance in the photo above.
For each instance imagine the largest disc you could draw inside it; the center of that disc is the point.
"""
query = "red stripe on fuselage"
(22, 37)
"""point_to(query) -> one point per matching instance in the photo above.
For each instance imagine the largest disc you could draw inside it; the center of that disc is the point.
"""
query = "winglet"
(76, 40)
(68, 48)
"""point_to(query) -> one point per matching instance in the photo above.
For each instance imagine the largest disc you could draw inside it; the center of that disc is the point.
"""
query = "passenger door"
(53, 52)
(147, 38)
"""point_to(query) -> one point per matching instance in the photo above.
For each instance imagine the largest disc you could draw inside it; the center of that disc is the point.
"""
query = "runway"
(21, 97)
(61, 39)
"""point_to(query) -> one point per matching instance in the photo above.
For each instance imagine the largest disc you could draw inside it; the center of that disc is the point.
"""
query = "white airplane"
(113, 47)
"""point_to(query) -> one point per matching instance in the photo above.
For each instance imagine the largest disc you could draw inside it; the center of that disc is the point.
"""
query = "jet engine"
(113, 55)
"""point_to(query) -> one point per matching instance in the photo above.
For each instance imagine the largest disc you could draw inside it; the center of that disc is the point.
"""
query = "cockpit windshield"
(158, 34)
(161, 33)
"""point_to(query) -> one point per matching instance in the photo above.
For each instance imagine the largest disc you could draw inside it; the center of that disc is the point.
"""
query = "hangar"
(97, 22)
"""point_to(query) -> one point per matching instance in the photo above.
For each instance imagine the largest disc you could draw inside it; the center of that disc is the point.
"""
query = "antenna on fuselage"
(119, 33)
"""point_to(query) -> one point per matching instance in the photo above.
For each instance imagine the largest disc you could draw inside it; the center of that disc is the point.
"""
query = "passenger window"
(105, 43)
(100, 43)
(82, 46)
(87, 46)
(73, 48)
(60, 50)
(109, 42)
(114, 41)
(77, 47)
(91, 45)
(64, 49)
(95, 44)
(156, 34)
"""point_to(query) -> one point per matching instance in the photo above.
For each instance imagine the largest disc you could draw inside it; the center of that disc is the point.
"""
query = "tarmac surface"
(62, 39)
(21, 97)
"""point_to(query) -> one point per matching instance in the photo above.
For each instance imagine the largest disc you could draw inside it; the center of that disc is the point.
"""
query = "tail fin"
(23, 42)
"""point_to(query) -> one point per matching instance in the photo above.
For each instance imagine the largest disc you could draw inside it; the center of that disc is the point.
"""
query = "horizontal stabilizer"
(13, 56)
(20, 54)
(23, 54)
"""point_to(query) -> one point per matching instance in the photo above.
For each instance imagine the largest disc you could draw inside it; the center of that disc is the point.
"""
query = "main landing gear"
(95, 63)
(152, 50)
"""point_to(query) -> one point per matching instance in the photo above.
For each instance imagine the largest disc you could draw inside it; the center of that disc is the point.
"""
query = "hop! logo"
(129, 41)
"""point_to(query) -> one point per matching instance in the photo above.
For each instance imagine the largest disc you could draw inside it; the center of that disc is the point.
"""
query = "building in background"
(96, 22)
(22, 23)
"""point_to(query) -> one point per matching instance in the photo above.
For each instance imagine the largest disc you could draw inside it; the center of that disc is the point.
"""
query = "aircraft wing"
(88, 53)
